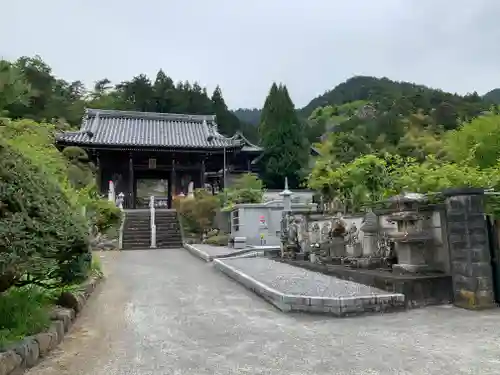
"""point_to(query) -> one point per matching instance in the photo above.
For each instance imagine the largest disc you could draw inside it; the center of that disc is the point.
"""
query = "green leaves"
(247, 188)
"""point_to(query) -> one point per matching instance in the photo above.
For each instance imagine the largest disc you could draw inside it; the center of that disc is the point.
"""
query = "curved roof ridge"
(240, 134)
(92, 112)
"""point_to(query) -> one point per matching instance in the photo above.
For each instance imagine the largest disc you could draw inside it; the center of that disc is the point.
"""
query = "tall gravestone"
(469, 248)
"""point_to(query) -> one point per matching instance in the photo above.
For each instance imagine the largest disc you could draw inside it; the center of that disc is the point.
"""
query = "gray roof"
(247, 145)
(146, 129)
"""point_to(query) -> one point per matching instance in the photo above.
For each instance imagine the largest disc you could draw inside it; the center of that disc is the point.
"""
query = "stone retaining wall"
(26, 353)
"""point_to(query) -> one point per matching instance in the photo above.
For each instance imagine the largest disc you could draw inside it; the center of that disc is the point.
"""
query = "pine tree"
(228, 123)
(286, 151)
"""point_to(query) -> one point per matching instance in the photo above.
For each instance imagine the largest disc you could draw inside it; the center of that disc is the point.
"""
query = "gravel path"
(294, 280)
(163, 312)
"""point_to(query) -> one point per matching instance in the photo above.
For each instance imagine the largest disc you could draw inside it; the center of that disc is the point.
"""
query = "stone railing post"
(121, 198)
(287, 209)
(469, 246)
(111, 192)
(153, 225)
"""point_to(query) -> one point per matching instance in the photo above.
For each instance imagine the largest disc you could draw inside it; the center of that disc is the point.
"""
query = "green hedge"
(42, 236)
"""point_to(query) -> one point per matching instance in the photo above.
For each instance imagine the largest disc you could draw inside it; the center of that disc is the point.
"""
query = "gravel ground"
(162, 312)
(294, 280)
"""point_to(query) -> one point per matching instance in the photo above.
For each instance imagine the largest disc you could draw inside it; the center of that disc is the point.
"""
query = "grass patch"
(96, 266)
(23, 312)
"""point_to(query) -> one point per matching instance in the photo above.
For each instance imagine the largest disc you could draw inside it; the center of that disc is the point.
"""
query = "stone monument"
(370, 229)
(412, 241)
(190, 193)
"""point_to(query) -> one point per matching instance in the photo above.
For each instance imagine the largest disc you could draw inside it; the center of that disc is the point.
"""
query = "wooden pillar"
(202, 173)
(131, 181)
(98, 177)
(172, 184)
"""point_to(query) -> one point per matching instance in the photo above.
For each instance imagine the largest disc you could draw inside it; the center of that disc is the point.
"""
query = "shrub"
(23, 311)
(218, 240)
(42, 235)
(104, 214)
(247, 188)
(198, 214)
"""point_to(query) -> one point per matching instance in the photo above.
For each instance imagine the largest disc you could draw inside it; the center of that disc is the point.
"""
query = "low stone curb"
(27, 353)
(337, 306)
(250, 252)
(197, 252)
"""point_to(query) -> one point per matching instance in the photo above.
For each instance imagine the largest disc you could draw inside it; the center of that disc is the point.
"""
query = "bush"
(42, 235)
(104, 214)
(218, 240)
(198, 214)
(23, 312)
(247, 188)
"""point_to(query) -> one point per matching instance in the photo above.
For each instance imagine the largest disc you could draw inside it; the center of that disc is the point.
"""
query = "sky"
(245, 45)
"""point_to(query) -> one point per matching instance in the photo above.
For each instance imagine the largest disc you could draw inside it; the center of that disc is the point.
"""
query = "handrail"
(153, 224)
(181, 226)
(122, 226)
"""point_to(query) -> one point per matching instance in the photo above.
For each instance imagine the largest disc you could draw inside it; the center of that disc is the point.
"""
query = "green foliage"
(403, 98)
(198, 213)
(247, 188)
(435, 175)
(41, 234)
(369, 178)
(96, 267)
(477, 142)
(364, 180)
(23, 312)
(492, 96)
(217, 240)
(103, 214)
(13, 87)
(29, 89)
(286, 151)
(367, 115)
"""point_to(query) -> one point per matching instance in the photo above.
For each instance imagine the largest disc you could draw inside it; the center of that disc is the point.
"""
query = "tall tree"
(163, 89)
(227, 121)
(13, 87)
(286, 150)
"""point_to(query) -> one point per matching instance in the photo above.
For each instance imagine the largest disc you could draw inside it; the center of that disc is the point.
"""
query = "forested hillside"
(248, 116)
(492, 96)
(32, 90)
(387, 100)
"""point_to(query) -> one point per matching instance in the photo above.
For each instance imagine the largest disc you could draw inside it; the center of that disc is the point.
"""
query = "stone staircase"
(137, 230)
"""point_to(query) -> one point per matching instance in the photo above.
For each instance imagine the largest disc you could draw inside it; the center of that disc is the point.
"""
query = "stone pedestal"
(337, 247)
(370, 231)
(354, 250)
(469, 249)
(369, 244)
(411, 257)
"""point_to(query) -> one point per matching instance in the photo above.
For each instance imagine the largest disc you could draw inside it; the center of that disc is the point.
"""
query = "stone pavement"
(163, 312)
(292, 288)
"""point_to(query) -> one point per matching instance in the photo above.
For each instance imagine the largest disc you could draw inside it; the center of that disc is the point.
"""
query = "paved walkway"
(165, 312)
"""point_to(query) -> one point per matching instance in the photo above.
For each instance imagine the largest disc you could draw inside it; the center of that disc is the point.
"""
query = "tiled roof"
(247, 145)
(146, 129)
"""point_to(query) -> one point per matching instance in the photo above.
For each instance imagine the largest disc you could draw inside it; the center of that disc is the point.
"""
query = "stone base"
(411, 268)
(419, 290)
(337, 304)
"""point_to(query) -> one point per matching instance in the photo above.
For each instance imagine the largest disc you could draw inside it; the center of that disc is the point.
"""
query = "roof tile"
(147, 129)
